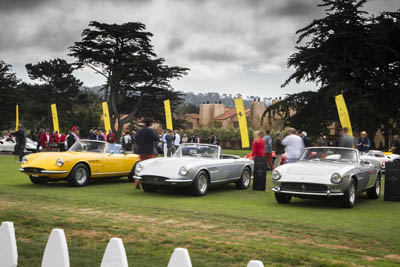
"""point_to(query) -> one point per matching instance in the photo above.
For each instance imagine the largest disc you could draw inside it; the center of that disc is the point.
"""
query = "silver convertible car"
(327, 172)
(195, 166)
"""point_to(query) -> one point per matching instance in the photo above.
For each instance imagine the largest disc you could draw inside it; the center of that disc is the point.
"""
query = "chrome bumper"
(46, 172)
(169, 180)
(327, 193)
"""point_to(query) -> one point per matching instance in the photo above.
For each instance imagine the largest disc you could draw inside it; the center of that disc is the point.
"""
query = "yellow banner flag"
(241, 114)
(16, 118)
(168, 114)
(343, 113)
(106, 117)
(55, 118)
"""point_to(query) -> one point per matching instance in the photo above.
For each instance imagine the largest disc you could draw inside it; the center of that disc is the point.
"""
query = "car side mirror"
(111, 152)
(364, 162)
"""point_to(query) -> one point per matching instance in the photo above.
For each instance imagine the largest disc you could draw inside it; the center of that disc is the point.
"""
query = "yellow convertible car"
(86, 159)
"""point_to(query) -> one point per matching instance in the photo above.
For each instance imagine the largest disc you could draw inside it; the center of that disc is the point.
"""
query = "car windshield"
(88, 146)
(198, 151)
(329, 154)
(114, 148)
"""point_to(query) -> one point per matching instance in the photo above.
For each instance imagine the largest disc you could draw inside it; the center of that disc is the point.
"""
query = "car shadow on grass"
(62, 183)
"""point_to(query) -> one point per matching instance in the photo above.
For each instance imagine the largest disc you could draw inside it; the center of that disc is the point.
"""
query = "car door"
(367, 172)
(116, 163)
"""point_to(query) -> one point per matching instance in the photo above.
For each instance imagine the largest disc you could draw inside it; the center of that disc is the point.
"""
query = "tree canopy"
(8, 95)
(137, 81)
(349, 52)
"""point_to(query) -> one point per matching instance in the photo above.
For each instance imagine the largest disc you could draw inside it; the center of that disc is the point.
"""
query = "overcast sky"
(231, 46)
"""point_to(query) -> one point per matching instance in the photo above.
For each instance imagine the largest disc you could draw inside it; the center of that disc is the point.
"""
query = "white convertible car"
(327, 172)
(195, 166)
(7, 145)
(378, 158)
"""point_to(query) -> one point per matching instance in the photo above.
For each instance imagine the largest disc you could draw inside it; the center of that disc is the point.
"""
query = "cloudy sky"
(231, 46)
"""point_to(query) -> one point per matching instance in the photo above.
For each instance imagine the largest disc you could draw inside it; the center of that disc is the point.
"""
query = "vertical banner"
(168, 115)
(343, 113)
(55, 118)
(106, 117)
(16, 118)
(241, 114)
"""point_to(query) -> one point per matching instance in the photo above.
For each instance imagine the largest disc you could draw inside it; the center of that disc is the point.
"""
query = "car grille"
(153, 179)
(304, 187)
(33, 170)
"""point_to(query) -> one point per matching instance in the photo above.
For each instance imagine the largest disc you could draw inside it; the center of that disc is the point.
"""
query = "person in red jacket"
(46, 140)
(111, 137)
(61, 141)
(258, 145)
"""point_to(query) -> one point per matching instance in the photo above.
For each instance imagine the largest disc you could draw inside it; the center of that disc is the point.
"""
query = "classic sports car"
(378, 158)
(195, 166)
(327, 172)
(86, 159)
(7, 145)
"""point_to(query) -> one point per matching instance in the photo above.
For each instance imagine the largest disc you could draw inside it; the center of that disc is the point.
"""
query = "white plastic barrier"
(56, 251)
(8, 245)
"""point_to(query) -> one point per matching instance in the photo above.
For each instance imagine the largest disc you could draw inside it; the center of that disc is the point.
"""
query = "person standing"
(185, 139)
(20, 140)
(396, 145)
(73, 136)
(268, 149)
(46, 140)
(177, 140)
(127, 141)
(168, 143)
(306, 139)
(279, 150)
(258, 145)
(346, 140)
(96, 135)
(111, 137)
(61, 141)
(294, 146)
(146, 140)
(363, 143)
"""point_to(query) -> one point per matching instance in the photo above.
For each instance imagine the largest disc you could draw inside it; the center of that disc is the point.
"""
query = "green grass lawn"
(227, 227)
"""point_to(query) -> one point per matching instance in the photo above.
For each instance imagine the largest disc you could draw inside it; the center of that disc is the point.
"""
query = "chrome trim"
(179, 181)
(137, 177)
(328, 193)
(21, 169)
(230, 179)
(105, 173)
(53, 172)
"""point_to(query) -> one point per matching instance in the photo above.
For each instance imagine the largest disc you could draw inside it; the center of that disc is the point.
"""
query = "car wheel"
(79, 175)
(149, 187)
(38, 180)
(283, 198)
(245, 179)
(375, 191)
(200, 184)
(350, 195)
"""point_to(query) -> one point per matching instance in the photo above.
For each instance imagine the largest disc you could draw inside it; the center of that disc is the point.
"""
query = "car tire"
(79, 175)
(149, 188)
(38, 180)
(375, 191)
(350, 195)
(283, 198)
(200, 184)
(245, 179)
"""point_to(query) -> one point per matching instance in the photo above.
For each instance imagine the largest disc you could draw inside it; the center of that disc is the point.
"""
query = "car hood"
(313, 171)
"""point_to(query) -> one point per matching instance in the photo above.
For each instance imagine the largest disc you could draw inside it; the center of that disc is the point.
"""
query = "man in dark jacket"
(146, 140)
(73, 136)
(96, 135)
(20, 140)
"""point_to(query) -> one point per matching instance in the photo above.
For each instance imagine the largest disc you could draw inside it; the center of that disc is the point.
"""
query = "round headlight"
(336, 178)
(183, 171)
(276, 175)
(60, 162)
(139, 168)
(24, 160)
